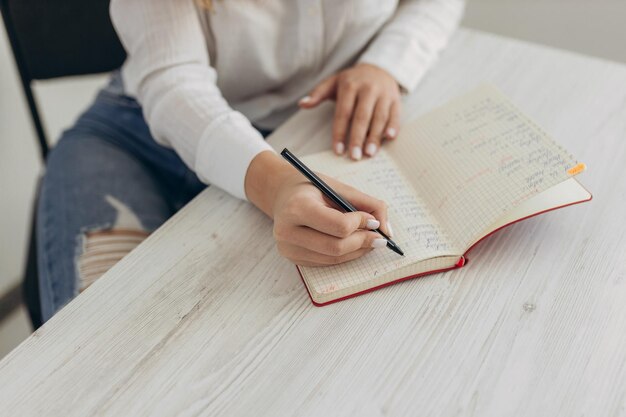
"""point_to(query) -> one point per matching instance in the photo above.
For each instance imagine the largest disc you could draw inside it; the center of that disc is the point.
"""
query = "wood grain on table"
(205, 318)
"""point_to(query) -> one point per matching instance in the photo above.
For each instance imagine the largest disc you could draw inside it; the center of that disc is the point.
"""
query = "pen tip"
(394, 247)
(397, 250)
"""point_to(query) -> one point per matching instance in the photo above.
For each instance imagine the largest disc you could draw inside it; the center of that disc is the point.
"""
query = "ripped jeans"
(107, 185)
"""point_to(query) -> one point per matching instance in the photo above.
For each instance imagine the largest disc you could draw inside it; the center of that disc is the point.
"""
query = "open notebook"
(451, 178)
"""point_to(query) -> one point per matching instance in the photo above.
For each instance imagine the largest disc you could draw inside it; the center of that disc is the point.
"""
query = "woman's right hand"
(308, 228)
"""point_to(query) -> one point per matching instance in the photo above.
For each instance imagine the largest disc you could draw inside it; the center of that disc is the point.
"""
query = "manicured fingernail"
(356, 153)
(305, 100)
(370, 149)
(379, 243)
(391, 132)
(372, 224)
(389, 229)
(339, 148)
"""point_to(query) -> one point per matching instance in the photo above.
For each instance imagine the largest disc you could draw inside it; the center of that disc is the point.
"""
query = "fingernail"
(389, 229)
(391, 132)
(372, 224)
(305, 100)
(339, 148)
(356, 153)
(379, 243)
(370, 149)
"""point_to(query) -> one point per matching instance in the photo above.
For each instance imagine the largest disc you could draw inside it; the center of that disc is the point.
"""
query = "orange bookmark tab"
(577, 169)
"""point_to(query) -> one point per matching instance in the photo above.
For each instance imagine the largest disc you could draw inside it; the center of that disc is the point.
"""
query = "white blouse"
(202, 76)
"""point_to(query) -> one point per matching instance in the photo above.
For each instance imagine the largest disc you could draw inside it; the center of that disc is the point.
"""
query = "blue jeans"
(107, 185)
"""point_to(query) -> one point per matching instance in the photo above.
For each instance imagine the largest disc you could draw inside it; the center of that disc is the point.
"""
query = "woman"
(202, 85)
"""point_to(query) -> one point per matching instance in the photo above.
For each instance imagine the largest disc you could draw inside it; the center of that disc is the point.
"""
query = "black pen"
(332, 194)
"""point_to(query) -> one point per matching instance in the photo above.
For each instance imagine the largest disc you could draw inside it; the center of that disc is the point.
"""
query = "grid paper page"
(416, 231)
(475, 158)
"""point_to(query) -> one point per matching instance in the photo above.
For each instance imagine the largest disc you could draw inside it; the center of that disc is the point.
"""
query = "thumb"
(368, 204)
(366, 220)
(323, 91)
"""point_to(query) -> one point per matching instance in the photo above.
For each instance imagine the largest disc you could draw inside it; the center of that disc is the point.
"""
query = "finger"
(393, 126)
(306, 257)
(379, 121)
(323, 91)
(333, 246)
(366, 203)
(360, 123)
(346, 97)
(331, 221)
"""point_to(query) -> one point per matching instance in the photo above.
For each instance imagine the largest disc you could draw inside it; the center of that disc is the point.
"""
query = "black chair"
(51, 39)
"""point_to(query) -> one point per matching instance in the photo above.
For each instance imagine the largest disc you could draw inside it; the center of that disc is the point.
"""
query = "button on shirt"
(202, 75)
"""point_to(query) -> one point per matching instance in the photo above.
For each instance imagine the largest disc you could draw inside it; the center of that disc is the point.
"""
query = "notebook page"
(475, 158)
(567, 192)
(415, 229)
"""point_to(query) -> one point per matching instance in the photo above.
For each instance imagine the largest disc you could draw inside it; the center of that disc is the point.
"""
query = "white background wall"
(592, 27)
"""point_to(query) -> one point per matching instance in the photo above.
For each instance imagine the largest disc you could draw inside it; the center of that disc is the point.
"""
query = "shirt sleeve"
(409, 44)
(168, 70)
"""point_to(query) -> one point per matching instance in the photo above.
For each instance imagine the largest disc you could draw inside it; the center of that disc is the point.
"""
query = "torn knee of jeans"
(104, 248)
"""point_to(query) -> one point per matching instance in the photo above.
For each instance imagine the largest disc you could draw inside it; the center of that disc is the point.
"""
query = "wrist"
(265, 174)
(383, 70)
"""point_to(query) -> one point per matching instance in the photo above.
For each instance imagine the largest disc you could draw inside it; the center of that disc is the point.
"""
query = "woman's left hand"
(367, 110)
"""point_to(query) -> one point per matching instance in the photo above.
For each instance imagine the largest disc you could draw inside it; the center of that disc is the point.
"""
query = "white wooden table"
(206, 319)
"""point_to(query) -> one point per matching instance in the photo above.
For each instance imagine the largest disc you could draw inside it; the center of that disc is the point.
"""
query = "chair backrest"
(55, 38)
